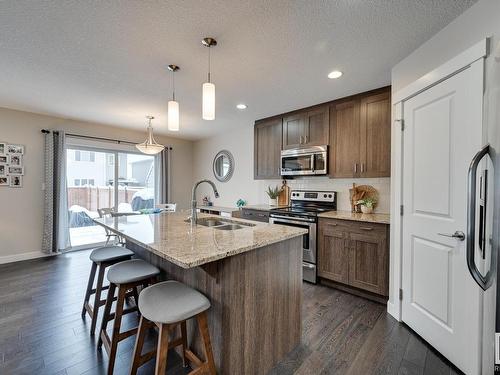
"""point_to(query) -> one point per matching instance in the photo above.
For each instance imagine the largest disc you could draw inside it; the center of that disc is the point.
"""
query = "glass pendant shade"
(208, 105)
(173, 115)
(150, 146)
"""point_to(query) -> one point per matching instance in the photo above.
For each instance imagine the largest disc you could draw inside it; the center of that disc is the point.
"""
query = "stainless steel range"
(303, 212)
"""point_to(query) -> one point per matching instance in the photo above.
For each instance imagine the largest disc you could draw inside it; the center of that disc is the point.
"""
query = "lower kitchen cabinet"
(255, 215)
(354, 254)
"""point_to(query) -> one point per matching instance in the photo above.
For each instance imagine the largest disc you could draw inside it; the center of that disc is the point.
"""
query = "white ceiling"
(105, 61)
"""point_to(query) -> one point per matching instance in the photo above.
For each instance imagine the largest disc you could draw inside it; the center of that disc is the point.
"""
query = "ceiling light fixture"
(150, 146)
(208, 88)
(241, 106)
(335, 74)
(173, 106)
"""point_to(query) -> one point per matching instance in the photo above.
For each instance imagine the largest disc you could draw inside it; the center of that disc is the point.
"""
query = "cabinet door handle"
(305, 138)
(333, 224)
(366, 228)
(362, 167)
(355, 167)
(300, 141)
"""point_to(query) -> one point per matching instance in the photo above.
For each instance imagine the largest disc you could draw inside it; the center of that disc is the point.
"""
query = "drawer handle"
(333, 224)
(365, 228)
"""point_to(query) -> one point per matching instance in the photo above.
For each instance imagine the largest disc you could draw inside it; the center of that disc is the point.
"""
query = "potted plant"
(273, 194)
(367, 205)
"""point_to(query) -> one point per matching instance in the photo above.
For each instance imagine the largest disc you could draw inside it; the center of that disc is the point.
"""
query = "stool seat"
(130, 271)
(110, 253)
(171, 302)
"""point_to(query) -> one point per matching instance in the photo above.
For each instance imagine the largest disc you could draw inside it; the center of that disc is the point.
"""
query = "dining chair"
(108, 212)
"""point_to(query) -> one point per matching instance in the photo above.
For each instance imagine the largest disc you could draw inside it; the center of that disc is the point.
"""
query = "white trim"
(459, 62)
(394, 304)
(23, 256)
(451, 67)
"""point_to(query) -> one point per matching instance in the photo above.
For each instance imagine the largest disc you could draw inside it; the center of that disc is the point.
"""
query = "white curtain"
(55, 225)
(162, 176)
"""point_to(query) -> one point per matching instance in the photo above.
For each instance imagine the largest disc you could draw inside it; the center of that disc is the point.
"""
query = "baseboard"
(393, 310)
(23, 256)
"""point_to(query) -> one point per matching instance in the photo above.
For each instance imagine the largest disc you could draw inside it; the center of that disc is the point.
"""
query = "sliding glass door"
(102, 180)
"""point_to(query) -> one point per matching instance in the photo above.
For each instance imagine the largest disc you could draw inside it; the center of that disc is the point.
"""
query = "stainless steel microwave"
(310, 161)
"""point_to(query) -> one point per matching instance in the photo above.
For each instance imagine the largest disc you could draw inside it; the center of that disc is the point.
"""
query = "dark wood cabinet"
(375, 127)
(355, 254)
(306, 128)
(360, 135)
(267, 149)
(333, 250)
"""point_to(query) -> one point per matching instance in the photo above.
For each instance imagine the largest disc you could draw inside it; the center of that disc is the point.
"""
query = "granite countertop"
(217, 208)
(348, 215)
(262, 207)
(170, 237)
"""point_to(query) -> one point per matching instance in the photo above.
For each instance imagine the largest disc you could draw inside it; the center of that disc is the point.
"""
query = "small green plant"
(368, 202)
(273, 192)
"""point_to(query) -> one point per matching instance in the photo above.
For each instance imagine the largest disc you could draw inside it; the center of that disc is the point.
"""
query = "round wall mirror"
(223, 166)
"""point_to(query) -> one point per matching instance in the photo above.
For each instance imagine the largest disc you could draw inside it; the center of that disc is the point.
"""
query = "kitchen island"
(252, 276)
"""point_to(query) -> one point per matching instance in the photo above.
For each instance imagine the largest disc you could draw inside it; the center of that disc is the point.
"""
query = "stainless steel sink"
(229, 227)
(209, 222)
(220, 223)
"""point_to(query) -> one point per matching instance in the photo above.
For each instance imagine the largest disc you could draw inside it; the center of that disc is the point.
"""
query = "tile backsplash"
(341, 186)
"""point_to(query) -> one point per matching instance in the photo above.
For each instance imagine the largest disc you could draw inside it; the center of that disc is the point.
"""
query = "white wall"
(242, 185)
(480, 21)
(22, 209)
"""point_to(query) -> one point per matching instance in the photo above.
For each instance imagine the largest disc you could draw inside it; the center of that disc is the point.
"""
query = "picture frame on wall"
(15, 171)
(4, 159)
(16, 181)
(3, 148)
(15, 149)
(3, 170)
(4, 180)
(15, 160)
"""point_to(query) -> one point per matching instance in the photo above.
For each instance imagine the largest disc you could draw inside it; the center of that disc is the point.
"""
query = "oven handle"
(285, 219)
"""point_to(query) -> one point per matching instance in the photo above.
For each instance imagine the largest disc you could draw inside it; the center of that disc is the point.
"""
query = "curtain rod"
(45, 131)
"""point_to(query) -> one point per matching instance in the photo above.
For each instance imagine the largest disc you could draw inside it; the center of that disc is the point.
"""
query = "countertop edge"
(351, 216)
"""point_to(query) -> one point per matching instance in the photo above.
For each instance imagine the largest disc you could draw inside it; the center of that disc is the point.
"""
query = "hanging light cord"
(209, 63)
(173, 86)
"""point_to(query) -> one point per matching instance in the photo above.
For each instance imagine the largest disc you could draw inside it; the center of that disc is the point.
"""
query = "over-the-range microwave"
(311, 161)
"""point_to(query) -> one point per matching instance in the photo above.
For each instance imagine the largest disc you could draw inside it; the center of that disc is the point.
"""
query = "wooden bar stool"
(126, 275)
(101, 257)
(169, 305)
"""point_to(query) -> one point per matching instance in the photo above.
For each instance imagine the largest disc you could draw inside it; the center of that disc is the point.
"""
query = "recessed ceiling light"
(335, 74)
(241, 106)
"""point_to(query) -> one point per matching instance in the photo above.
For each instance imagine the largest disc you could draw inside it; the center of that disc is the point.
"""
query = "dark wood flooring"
(41, 331)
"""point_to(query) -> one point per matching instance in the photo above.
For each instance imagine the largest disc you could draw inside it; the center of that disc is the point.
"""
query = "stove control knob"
(329, 195)
(324, 195)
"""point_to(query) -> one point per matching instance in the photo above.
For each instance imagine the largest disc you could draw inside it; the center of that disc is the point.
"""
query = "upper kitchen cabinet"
(375, 125)
(345, 136)
(307, 128)
(360, 135)
(267, 149)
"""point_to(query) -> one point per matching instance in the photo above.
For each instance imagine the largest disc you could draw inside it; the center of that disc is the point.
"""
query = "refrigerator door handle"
(483, 281)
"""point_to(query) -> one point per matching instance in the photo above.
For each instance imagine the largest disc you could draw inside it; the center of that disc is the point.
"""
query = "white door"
(441, 302)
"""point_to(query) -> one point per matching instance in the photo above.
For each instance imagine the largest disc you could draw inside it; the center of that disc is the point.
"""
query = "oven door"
(309, 252)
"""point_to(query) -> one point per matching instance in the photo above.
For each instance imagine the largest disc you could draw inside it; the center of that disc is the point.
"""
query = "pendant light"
(150, 146)
(208, 88)
(173, 106)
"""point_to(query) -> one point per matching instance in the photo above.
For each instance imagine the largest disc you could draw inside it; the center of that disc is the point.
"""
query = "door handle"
(362, 167)
(355, 167)
(458, 235)
(483, 281)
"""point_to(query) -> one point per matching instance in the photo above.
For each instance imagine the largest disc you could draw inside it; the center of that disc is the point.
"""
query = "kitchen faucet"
(194, 213)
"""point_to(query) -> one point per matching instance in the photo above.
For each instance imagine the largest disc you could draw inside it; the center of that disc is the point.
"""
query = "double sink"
(221, 224)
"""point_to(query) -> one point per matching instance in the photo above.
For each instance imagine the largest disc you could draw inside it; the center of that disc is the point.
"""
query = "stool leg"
(122, 290)
(184, 343)
(205, 334)
(162, 350)
(88, 292)
(97, 298)
(107, 312)
(139, 343)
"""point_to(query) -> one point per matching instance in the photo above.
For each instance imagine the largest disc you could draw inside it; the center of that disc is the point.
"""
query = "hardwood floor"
(41, 331)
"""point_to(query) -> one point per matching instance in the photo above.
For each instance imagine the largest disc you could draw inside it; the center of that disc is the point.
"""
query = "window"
(84, 181)
(77, 182)
(91, 182)
(85, 156)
